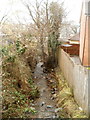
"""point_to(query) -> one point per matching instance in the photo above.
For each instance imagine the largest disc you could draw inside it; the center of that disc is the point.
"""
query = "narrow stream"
(44, 104)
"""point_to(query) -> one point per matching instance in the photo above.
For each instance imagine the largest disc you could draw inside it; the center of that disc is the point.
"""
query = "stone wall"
(77, 77)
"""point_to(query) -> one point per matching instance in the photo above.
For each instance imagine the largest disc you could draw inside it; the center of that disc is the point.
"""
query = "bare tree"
(47, 18)
(38, 15)
(3, 19)
(69, 28)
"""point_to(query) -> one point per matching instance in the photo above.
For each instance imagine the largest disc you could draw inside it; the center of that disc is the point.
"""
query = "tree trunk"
(42, 47)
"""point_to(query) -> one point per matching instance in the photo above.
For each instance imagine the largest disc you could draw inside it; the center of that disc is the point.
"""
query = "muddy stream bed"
(45, 105)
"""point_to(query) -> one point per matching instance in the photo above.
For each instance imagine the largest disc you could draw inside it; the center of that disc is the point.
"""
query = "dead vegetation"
(65, 99)
(18, 89)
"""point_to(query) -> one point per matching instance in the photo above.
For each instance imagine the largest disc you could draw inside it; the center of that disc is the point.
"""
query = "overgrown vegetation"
(65, 99)
(23, 45)
(48, 18)
(18, 88)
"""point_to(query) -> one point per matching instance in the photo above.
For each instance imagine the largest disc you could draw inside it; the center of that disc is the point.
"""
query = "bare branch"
(30, 12)
(4, 18)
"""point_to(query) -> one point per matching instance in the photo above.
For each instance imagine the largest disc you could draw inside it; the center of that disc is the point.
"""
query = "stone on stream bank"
(49, 106)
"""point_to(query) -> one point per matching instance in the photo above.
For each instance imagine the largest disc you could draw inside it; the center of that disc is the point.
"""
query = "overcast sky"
(6, 7)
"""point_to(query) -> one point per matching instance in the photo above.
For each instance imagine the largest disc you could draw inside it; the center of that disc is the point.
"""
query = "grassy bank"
(68, 106)
(18, 88)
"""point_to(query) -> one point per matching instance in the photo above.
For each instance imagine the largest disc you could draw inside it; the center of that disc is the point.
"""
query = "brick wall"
(72, 50)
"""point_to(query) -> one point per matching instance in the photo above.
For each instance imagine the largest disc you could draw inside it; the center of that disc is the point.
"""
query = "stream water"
(45, 105)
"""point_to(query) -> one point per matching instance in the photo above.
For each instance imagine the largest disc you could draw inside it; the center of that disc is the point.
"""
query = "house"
(85, 34)
(5, 40)
(72, 45)
(72, 50)
(76, 69)
(63, 41)
(2, 34)
(75, 39)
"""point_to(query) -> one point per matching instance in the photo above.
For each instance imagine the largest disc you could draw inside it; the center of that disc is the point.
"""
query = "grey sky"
(72, 6)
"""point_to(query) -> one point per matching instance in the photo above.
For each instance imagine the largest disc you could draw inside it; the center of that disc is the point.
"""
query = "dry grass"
(18, 87)
(70, 108)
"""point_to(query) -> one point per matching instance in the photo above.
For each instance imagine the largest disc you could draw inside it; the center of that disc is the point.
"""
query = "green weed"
(11, 58)
(31, 110)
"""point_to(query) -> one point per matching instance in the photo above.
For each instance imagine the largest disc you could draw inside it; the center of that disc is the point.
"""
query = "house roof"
(2, 34)
(66, 45)
(75, 37)
(62, 40)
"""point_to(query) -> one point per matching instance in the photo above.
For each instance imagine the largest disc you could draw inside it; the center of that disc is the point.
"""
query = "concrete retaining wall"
(77, 77)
